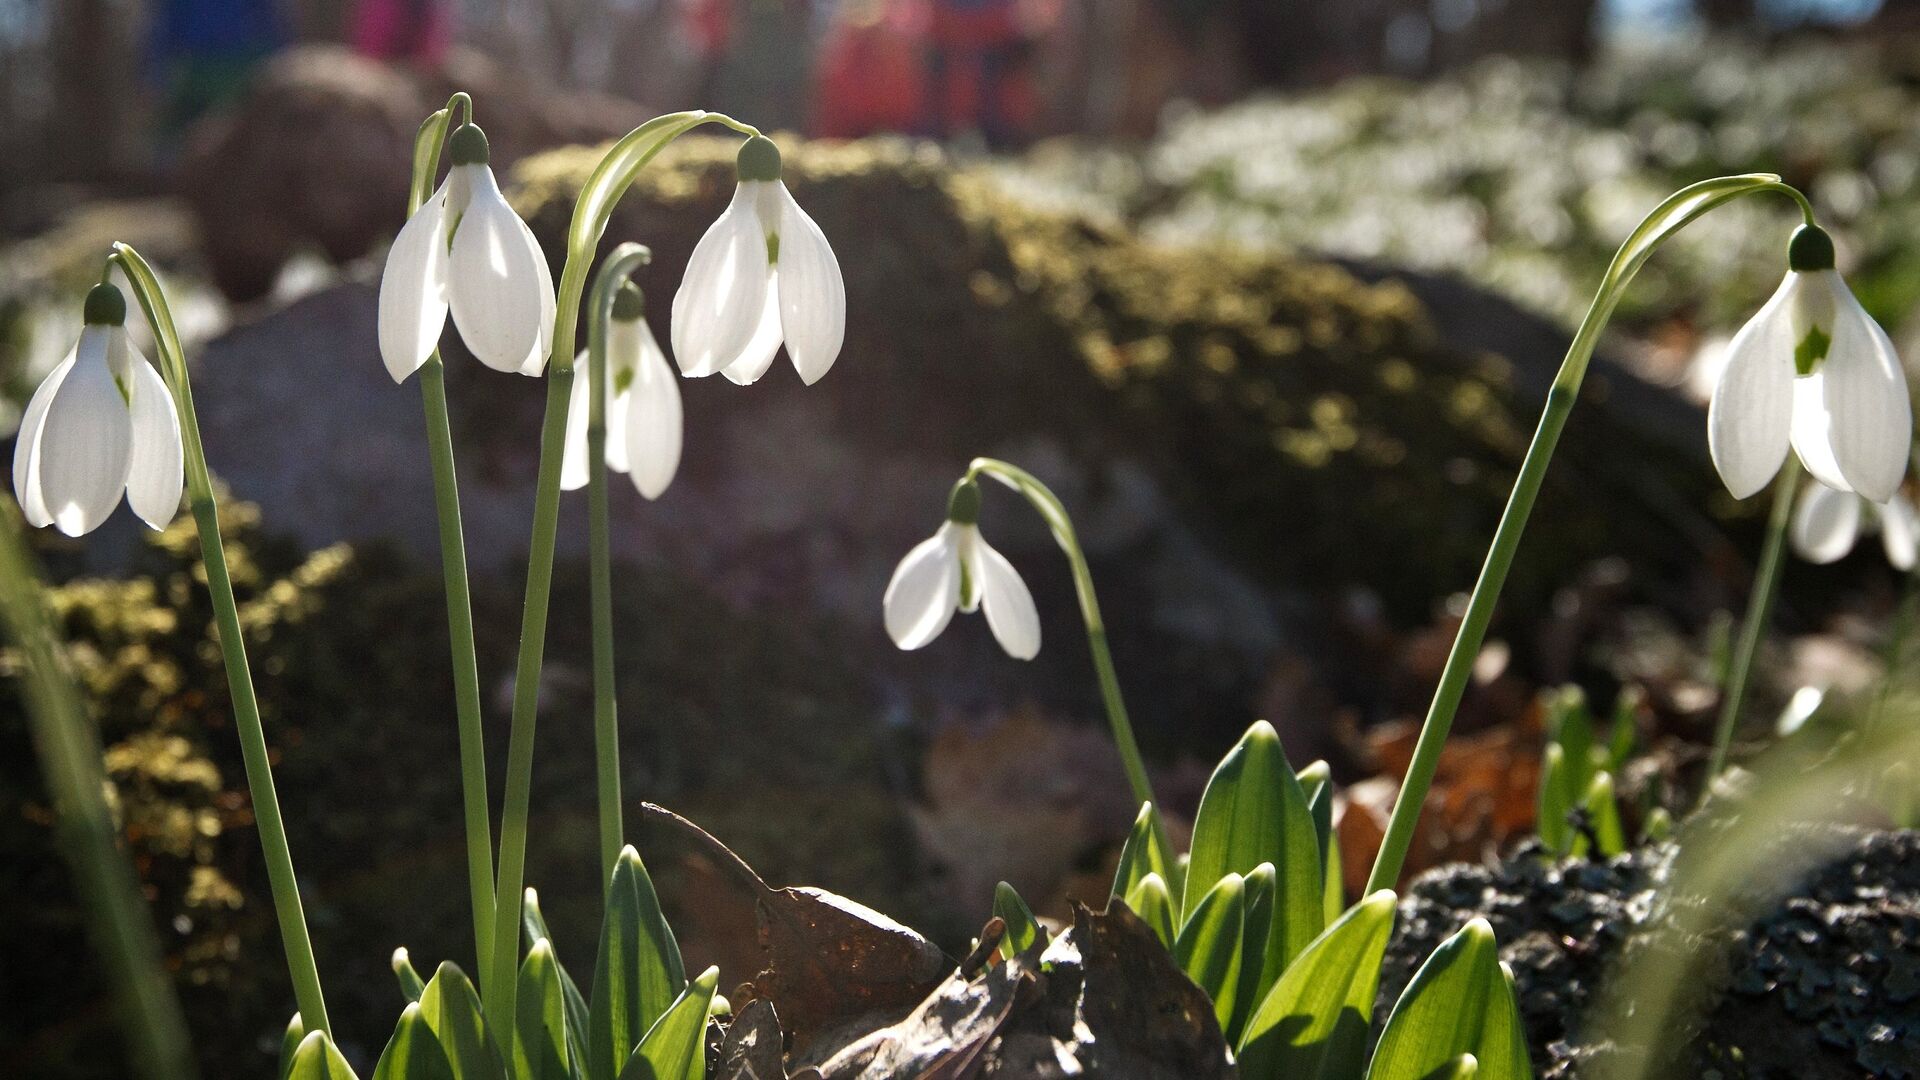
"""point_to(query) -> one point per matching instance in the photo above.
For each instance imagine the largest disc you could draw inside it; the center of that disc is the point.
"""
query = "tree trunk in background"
(93, 66)
(1727, 14)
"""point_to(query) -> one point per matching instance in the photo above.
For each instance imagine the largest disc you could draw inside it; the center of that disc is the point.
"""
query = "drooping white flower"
(101, 426)
(762, 275)
(467, 252)
(1812, 372)
(957, 570)
(643, 405)
(1827, 523)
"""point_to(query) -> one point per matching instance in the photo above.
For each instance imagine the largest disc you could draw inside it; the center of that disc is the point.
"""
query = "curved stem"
(608, 181)
(233, 650)
(1681, 208)
(453, 571)
(614, 272)
(1766, 584)
(1055, 513)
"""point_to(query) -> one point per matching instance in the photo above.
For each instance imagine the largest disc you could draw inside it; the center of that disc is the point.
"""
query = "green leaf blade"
(1313, 1024)
(1459, 1002)
(675, 1047)
(1254, 811)
(540, 1046)
(638, 973)
(318, 1059)
(1024, 932)
(413, 1053)
(1208, 948)
(451, 1008)
(1153, 903)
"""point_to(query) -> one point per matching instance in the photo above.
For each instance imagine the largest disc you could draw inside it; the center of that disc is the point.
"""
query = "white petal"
(1812, 434)
(1752, 406)
(633, 348)
(536, 361)
(653, 422)
(1825, 524)
(497, 287)
(1005, 599)
(758, 356)
(925, 590)
(26, 446)
(573, 464)
(1864, 391)
(413, 289)
(813, 297)
(718, 305)
(158, 468)
(86, 441)
(1900, 532)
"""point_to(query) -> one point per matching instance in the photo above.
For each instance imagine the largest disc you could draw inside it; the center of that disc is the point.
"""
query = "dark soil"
(1824, 984)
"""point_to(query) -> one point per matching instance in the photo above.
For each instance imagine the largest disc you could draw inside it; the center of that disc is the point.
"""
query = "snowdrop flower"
(1827, 523)
(100, 426)
(957, 570)
(763, 274)
(643, 405)
(1814, 372)
(466, 250)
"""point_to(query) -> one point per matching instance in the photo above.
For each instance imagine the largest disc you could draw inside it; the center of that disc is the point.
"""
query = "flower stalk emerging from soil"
(1668, 218)
(453, 569)
(603, 189)
(246, 707)
(1766, 584)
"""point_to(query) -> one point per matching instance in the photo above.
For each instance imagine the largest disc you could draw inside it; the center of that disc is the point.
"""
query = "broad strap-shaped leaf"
(413, 1053)
(290, 1043)
(1459, 1002)
(638, 972)
(1626, 708)
(1464, 1067)
(535, 926)
(1254, 811)
(1603, 816)
(1336, 889)
(1260, 885)
(1208, 948)
(452, 1009)
(1154, 904)
(1140, 855)
(1313, 1024)
(541, 1050)
(1570, 723)
(411, 984)
(1316, 782)
(1023, 930)
(675, 1048)
(318, 1059)
(1550, 819)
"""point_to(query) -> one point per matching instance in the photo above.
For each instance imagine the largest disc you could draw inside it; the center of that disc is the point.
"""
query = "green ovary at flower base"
(1747, 465)
(106, 422)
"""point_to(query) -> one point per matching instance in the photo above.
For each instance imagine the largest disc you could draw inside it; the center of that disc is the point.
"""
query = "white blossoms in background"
(957, 570)
(465, 250)
(101, 426)
(643, 405)
(1812, 372)
(1827, 523)
(763, 274)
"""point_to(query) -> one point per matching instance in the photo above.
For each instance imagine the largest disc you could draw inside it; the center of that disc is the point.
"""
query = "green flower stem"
(1669, 217)
(453, 569)
(1766, 584)
(609, 180)
(69, 750)
(1054, 512)
(246, 707)
(614, 272)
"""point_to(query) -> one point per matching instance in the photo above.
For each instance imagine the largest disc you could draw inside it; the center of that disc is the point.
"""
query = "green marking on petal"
(622, 380)
(773, 249)
(1811, 350)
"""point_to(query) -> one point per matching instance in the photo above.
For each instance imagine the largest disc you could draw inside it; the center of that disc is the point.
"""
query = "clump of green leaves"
(1579, 809)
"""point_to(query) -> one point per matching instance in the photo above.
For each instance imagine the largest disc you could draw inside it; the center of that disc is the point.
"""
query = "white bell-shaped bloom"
(101, 426)
(957, 570)
(466, 252)
(763, 275)
(643, 406)
(1812, 372)
(1827, 523)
